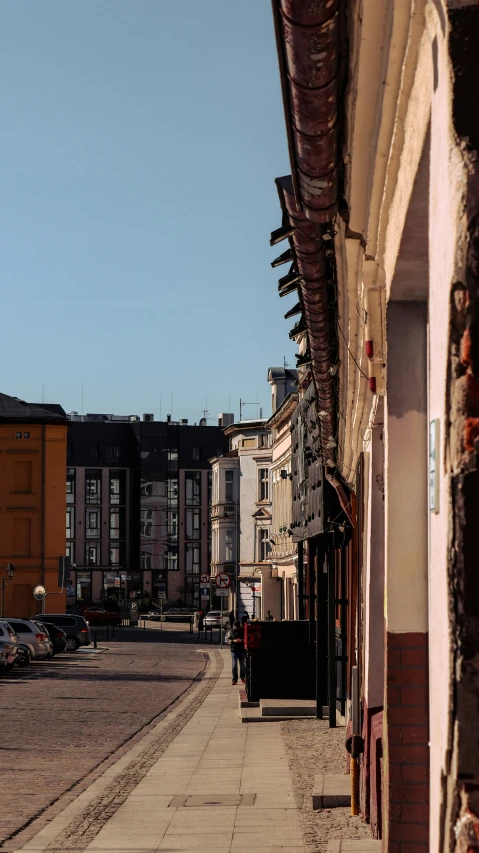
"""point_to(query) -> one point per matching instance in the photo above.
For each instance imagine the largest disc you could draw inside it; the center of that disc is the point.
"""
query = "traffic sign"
(162, 596)
(222, 592)
(204, 578)
(205, 590)
(222, 580)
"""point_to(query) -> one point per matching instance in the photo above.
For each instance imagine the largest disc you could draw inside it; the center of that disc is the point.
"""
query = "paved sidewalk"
(219, 786)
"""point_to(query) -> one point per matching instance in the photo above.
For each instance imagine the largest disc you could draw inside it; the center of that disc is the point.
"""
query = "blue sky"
(139, 144)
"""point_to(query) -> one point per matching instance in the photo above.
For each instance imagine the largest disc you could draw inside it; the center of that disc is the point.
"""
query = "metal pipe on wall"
(300, 580)
(332, 637)
(311, 596)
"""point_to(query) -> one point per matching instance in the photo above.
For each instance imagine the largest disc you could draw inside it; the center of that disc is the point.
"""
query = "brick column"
(406, 706)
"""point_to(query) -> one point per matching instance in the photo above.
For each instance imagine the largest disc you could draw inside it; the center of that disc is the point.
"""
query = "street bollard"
(94, 638)
(191, 626)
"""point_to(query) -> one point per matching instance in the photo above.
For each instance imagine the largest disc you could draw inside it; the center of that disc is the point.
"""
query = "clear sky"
(139, 144)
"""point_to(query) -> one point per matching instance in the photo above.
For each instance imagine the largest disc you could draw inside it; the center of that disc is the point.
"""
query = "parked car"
(8, 655)
(99, 616)
(213, 619)
(7, 634)
(57, 637)
(75, 627)
(178, 614)
(32, 638)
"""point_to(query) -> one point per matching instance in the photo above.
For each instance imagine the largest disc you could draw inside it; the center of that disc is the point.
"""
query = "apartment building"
(139, 505)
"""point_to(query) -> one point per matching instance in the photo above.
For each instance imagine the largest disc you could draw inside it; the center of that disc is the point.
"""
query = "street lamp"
(10, 573)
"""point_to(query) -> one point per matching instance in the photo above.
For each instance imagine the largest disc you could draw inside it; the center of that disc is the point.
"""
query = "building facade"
(139, 505)
(283, 548)
(32, 504)
(380, 214)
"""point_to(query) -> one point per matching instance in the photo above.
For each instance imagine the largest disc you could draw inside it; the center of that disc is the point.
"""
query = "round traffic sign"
(222, 580)
(204, 578)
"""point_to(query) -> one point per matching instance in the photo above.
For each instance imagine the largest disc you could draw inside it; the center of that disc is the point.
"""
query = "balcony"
(226, 509)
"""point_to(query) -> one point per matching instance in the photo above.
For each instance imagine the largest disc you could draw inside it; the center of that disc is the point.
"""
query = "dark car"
(178, 614)
(57, 636)
(75, 627)
(99, 616)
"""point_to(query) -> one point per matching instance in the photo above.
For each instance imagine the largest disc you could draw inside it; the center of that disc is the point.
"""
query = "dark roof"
(282, 373)
(13, 409)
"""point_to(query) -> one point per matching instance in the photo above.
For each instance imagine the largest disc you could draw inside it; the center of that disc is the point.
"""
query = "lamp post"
(226, 515)
(10, 573)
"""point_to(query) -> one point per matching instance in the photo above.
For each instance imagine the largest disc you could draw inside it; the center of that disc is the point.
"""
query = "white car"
(213, 619)
(32, 637)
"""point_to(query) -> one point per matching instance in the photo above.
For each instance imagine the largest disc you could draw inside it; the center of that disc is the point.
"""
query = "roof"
(240, 425)
(309, 52)
(14, 409)
(282, 373)
(285, 410)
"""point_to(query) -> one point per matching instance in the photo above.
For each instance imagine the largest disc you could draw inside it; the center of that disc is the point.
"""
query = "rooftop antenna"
(285, 363)
(245, 403)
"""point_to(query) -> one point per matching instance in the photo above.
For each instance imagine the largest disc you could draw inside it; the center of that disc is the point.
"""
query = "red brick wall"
(406, 749)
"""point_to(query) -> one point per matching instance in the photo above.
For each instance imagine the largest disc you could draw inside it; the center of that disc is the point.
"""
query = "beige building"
(381, 212)
(283, 550)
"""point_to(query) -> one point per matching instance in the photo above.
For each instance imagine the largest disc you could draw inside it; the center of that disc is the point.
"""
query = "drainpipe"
(44, 445)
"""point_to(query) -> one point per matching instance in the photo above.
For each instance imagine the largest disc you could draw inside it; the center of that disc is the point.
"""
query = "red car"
(98, 616)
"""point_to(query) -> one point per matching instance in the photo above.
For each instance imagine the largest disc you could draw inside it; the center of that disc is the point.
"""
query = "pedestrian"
(270, 617)
(201, 621)
(245, 617)
(235, 639)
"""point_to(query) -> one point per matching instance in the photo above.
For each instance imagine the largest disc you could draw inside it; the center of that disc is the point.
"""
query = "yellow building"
(32, 504)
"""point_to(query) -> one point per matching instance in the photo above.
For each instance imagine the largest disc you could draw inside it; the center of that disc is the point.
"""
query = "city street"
(65, 720)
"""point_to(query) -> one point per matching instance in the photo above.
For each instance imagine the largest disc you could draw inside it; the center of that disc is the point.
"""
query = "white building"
(242, 511)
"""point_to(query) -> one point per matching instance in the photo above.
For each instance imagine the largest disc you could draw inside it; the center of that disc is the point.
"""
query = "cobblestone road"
(64, 718)
(313, 748)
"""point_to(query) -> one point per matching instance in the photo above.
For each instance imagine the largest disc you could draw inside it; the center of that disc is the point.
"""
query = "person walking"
(235, 639)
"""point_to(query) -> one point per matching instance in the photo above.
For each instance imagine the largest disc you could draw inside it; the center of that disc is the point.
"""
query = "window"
(117, 487)
(117, 557)
(229, 485)
(192, 563)
(196, 454)
(173, 491)
(192, 591)
(263, 484)
(193, 488)
(264, 544)
(263, 440)
(22, 477)
(70, 551)
(249, 442)
(193, 521)
(70, 522)
(92, 554)
(94, 451)
(171, 561)
(173, 524)
(116, 523)
(71, 485)
(93, 523)
(113, 451)
(173, 460)
(26, 435)
(146, 522)
(22, 537)
(229, 546)
(18, 435)
(210, 487)
(93, 487)
(146, 560)
(20, 627)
